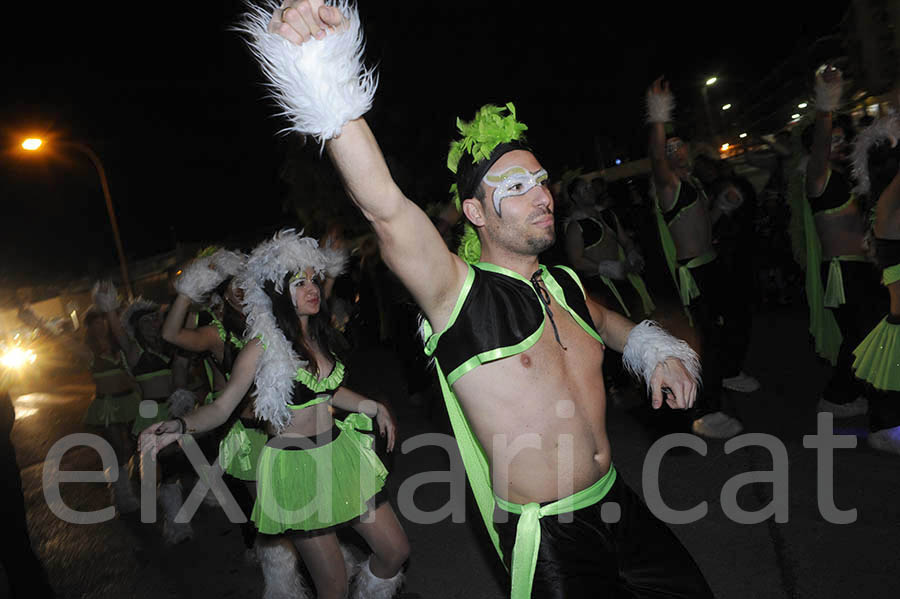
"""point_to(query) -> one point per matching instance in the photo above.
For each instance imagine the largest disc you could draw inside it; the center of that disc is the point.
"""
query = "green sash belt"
(153, 375)
(637, 282)
(890, 275)
(528, 530)
(236, 446)
(687, 286)
(352, 426)
(834, 288)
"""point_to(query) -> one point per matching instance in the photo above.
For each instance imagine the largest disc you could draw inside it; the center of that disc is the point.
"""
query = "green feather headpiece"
(492, 126)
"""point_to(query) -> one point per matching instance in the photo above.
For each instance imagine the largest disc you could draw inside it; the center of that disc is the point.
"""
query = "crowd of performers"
(516, 346)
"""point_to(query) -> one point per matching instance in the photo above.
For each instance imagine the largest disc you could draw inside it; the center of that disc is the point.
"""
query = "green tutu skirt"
(109, 409)
(878, 357)
(312, 489)
(240, 449)
(142, 422)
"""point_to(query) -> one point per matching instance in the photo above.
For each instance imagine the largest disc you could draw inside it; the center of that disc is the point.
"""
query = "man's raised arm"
(311, 52)
(659, 111)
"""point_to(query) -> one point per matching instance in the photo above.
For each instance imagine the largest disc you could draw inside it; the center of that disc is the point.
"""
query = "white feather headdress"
(138, 304)
(286, 253)
(206, 273)
(884, 129)
(319, 85)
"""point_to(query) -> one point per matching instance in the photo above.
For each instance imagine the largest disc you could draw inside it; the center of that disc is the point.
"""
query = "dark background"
(171, 101)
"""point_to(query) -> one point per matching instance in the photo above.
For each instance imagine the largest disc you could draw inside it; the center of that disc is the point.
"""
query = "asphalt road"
(804, 557)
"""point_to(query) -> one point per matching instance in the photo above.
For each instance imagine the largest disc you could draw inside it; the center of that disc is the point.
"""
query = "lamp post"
(34, 144)
(705, 93)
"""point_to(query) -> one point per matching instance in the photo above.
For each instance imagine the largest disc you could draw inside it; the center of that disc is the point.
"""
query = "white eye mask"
(514, 181)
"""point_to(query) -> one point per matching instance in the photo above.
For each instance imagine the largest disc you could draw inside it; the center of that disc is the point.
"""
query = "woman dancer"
(315, 473)
(876, 164)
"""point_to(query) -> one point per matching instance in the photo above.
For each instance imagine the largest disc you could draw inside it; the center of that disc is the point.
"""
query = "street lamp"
(33, 144)
(802, 105)
(726, 106)
(703, 92)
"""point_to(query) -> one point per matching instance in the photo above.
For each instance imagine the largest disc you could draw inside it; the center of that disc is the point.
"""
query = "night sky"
(171, 101)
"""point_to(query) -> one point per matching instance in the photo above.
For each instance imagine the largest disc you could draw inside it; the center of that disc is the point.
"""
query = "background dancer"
(685, 218)
(851, 292)
(876, 164)
(315, 472)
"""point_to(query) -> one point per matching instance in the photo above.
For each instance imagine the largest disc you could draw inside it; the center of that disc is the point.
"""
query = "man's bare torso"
(541, 415)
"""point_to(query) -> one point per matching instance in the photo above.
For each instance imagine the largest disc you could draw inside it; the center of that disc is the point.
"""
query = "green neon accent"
(474, 459)
(615, 291)
(495, 354)
(108, 373)
(235, 341)
(688, 207)
(313, 402)
(432, 339)
(639, 286)
(875, 359)
(557, 292)
(890, 275)
(528, 529)
(822, 325)
(153, 375)
(209, 374)
(834, 287)
(515, 170)
(329, 383)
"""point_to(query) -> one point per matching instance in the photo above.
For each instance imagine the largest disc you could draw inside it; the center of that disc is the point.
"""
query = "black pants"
(636, 557)
(865, 305)
(737, 311)
(709, 314)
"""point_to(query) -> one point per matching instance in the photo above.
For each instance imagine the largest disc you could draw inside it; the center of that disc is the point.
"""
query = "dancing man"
(518, 347)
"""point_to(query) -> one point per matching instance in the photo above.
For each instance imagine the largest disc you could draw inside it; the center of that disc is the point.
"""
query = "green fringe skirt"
(240, 449)
(110, 409)
(878, 357)
(316, 488)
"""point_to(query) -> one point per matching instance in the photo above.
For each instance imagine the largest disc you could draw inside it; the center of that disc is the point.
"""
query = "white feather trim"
(281, 578)
(369, 586)
(181, 402)
(286, 253)
(319, 85)
(828, 95)
(197, 279)
(205, 274)
(228, 263)
(105, 296)
(660, 107)
(138, 304)
(884, 129)
(649, 344)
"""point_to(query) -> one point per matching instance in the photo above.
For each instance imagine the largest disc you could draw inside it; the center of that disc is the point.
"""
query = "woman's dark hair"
(91, 340)
(320, 330)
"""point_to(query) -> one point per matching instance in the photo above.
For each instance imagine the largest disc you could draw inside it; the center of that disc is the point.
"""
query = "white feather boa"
(286, 253)
(660, 107)
(138, 304)
(320, 85)
(205, 274)
(649, 344)
(884, 129)
(105, 297)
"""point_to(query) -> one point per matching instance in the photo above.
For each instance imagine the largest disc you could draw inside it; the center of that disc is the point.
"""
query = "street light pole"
(34, 144)
(123, 265)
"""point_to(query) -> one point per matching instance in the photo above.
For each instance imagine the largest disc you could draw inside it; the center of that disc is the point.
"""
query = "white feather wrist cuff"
(181, 402)
(198, 279)
(320, 85)
(649, 344)
(105, 297)
(828, 95)
(660, 107)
